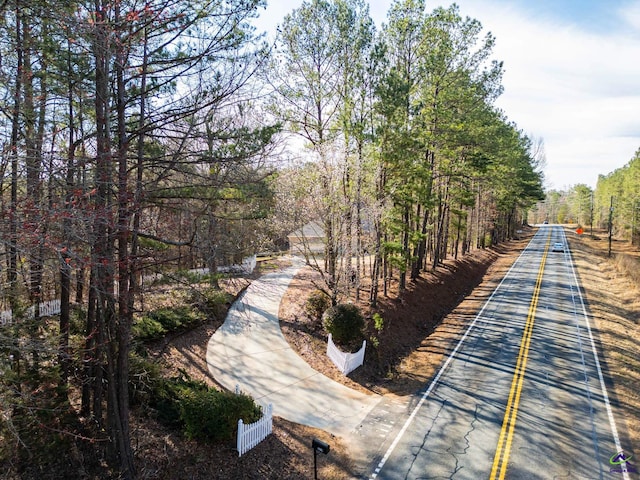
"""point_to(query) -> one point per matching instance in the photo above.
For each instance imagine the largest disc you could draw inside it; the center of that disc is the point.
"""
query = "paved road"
(522, 396)
(250, 351)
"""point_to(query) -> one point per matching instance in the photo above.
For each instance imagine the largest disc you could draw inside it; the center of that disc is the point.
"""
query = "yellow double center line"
(501, 459)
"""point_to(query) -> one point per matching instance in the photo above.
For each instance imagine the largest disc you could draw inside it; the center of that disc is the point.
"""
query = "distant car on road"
(558, 247)
(546, 222)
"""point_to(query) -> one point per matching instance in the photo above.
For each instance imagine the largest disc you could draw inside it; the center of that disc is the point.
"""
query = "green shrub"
(213, 415)
(186, 277)
(317, 303)
(344, 322)
(150, 244)
(147, 328)
(212, 301)
(378, 322)
(144, 378)
(199, 411)
(168, 395)
(157, 324)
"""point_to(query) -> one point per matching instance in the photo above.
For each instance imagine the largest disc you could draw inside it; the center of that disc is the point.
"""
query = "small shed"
(309, 238)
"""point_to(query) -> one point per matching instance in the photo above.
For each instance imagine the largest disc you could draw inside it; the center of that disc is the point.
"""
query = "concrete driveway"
(250, 351)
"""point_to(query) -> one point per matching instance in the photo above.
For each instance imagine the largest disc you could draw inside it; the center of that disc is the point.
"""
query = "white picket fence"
(346, 362)
(48, 308)
(252, 434)
(6, 317)
(247, 266)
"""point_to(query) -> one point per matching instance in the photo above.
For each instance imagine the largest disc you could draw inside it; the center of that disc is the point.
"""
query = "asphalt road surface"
(521, 397)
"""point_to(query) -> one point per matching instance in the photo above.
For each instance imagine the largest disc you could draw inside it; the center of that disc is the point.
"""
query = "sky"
(571, 76)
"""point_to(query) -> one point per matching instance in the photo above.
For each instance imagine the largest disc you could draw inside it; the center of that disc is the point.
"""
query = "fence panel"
(247, 266)
(346, 362)
(47, 309)
(51, 307)
(252, 434)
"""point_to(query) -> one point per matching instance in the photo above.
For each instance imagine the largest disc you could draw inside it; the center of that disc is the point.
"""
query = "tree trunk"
(33, 162)
(402, 285)
(12, 271)
(438, 233)
(421, 250)
(112, 323)
(65, 266)
(119, 364)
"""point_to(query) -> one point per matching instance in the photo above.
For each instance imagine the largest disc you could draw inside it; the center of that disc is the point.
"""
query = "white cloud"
(578, 88)
(630, 16)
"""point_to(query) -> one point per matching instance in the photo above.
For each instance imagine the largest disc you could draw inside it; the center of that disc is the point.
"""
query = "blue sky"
(595, 15)
(572, 76)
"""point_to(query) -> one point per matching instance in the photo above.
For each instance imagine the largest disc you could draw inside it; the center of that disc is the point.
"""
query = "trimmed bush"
(200, 412)
(213, 415)
(344, 322)
(167, 398)
(317, 303)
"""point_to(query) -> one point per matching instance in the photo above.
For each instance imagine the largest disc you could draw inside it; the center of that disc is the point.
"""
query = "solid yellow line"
(514, 412)
(505, 439)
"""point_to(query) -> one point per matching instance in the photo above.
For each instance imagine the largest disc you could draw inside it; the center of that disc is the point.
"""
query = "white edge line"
(435, 381)
(612, 423)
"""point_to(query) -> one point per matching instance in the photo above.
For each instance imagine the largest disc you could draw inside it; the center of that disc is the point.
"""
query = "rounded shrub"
(201, 412)
(168, 395)
(317, 303)
(344, 322)
(213, 415)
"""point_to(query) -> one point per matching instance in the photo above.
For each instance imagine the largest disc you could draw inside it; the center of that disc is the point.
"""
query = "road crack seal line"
(457, 468)
(473, 427)
(424, 438)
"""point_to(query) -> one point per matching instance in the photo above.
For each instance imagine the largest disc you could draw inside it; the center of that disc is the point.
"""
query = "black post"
(318, 446)
(315, 464)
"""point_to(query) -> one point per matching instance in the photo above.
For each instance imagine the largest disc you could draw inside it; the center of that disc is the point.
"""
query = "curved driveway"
(250, 351)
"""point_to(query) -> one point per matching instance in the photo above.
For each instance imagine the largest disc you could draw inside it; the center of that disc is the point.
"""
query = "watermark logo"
(621, 464)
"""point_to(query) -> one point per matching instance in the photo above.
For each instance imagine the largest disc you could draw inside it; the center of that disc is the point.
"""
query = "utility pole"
(633, 221)
(591, 217)
(610, 223)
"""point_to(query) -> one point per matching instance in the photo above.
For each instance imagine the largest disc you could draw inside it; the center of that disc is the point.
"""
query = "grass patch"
(629, 266)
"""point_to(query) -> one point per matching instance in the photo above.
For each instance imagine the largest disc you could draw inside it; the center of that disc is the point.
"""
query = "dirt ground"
(419, 330)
